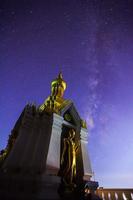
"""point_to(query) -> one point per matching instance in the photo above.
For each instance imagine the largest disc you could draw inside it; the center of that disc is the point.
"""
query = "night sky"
(91, 42)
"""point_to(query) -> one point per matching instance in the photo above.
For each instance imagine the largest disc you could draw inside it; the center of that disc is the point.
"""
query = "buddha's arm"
(77, 146)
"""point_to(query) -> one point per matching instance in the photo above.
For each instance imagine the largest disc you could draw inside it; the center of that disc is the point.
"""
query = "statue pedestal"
(41, 187)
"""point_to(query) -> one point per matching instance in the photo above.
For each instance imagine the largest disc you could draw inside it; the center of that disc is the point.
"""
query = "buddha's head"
(58, 86)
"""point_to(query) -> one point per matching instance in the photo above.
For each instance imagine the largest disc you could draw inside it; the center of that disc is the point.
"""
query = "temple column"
(85, 154)
(53, 156)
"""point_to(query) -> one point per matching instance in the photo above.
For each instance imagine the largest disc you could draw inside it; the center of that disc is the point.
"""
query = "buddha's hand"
(62, 160)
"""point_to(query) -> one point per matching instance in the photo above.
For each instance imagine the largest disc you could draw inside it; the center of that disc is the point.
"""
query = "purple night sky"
(91, 41)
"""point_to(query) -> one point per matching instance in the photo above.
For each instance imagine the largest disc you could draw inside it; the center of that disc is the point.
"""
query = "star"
(13, 12)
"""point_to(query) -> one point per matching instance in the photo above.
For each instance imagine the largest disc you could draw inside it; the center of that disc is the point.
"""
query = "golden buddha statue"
(54, 102)
(68, 158)
(58, 86)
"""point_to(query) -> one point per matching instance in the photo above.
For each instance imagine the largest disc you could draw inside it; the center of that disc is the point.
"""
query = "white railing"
(115, 194)
(109, 196)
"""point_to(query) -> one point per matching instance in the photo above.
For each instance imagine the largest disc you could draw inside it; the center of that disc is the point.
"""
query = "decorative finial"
(60, 75)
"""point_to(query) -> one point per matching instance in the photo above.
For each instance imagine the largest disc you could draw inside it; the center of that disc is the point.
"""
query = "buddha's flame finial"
(60, 75)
